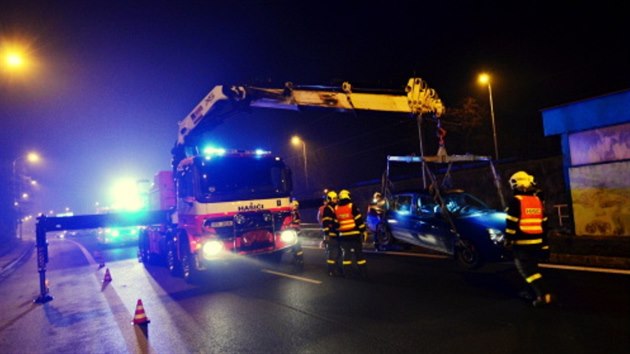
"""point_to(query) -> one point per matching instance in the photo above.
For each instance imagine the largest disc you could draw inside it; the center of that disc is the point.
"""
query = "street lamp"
(18, 195)
(484, 79)
(296, 141)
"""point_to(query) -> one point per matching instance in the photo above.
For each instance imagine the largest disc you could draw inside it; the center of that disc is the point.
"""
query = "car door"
(428, 227)
(400, 219)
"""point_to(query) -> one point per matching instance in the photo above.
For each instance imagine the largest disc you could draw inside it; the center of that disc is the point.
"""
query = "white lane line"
(410, 254)
(585, 269)
(542, 265)
(308, 280)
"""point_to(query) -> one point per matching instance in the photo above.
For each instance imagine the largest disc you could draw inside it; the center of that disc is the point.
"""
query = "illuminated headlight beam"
(288, 236)
(211, 249)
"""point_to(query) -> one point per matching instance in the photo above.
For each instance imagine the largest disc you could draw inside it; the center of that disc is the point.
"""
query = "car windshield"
(463, 204)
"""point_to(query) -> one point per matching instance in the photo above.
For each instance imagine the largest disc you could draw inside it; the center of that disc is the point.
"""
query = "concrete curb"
(9, 260)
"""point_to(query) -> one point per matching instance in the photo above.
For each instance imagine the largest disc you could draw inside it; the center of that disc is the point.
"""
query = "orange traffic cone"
(140, 318)
(108, 277)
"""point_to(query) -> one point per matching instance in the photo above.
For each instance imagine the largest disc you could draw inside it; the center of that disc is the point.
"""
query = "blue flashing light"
(261, 152)
(213, 151)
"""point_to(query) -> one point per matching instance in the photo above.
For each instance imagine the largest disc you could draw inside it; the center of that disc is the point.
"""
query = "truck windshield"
(242, 177)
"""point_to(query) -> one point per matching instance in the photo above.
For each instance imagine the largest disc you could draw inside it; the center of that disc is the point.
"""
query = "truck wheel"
(467, 255)
(298, 262)
(275, 257)
(171, 259)
(143, 249)
(189, 269)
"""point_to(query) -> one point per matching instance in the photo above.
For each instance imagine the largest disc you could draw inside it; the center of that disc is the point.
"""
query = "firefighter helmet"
(344, 194)
(522, 180)
(331, 196)
(295, 204)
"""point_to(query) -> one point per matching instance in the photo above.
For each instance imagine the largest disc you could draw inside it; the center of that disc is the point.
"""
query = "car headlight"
(211, 248)
(288, 236)
(496, 235)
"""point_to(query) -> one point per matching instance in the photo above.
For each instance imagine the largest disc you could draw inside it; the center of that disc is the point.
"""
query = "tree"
(468, 127)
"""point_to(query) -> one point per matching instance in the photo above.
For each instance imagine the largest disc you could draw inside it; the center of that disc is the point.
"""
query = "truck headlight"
(288, 236)
(496, 235)
(211, 248)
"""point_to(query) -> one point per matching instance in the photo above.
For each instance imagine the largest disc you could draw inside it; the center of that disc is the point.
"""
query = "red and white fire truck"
(231, 203)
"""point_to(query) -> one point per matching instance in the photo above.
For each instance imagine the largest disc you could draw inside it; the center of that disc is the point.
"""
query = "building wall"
(596, 160)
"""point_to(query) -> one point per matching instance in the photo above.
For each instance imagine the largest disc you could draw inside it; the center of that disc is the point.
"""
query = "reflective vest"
(345, 218)
(531, 214)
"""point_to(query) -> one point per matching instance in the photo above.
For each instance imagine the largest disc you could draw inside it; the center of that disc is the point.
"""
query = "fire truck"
(226, 204)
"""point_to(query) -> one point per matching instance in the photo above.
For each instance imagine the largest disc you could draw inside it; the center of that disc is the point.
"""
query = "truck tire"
(189, 269)
(172, 262)
(143, 249)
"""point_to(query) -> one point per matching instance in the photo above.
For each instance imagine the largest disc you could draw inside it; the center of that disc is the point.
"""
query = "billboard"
(601, 199)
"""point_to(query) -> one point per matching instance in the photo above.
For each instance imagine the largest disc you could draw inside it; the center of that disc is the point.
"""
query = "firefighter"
(525, 231)
(331, 236)
(295, 214)
(374, 214)
(352, 231)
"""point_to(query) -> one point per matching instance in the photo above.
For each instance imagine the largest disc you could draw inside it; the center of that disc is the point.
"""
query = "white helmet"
(522, 180)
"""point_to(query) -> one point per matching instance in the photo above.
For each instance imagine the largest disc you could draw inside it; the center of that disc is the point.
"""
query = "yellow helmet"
(331, 196)
(521, 180)
(295, 204)
(344, 194)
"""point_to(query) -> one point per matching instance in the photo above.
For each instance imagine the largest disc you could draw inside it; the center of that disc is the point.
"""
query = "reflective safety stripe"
(299, 253)
(361, 262)
(533, 277)
(347, 262)
(531, 214)
(545, 247)
(511, 218)
(510, 231)
(330, 261)
(528, 242)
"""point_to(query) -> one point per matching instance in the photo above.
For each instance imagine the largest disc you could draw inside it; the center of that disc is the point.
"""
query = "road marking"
(542, 265)
(585, 269)
(308, 280)
(409, 254)
(134, 340)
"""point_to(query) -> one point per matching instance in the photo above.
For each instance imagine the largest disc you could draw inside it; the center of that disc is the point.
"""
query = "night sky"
(109, 80)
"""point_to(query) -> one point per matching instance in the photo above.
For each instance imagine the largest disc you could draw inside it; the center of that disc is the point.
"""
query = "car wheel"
(171, 259)
(383, 237)
(468, 255)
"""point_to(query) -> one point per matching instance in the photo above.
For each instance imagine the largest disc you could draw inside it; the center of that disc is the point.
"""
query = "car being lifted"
(418, 218)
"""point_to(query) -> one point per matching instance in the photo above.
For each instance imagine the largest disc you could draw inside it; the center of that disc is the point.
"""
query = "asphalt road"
(411, 303)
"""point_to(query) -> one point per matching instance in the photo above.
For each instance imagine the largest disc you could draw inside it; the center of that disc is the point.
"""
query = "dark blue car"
(468, 229)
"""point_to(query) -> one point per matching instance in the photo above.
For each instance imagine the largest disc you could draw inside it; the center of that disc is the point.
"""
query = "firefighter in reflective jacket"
(352, 231)
(526, 234)
(331, 236)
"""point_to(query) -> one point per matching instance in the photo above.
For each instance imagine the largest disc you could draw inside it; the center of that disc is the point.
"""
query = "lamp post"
(18, 196)
(296, 141)
(484, 79)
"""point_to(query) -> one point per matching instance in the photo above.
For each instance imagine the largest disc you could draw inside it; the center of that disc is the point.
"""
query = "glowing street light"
(31, 157)
(296, 141)
(484, 79)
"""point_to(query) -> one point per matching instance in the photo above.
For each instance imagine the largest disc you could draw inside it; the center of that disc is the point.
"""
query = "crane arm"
(418, 99)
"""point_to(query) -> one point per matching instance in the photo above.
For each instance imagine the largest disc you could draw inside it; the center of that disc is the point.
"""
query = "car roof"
(426, 192)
